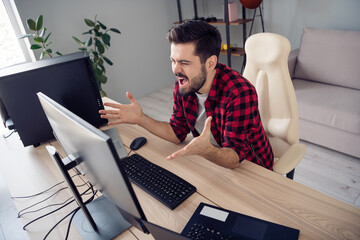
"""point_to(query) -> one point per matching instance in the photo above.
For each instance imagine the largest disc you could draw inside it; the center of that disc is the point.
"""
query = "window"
(12, 50)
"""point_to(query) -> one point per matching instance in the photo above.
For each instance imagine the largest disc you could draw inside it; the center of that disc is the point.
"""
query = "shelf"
(236, 22)
(222, 22)
(235, 51)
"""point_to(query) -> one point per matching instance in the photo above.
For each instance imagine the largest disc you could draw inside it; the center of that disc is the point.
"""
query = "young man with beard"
(209, 98)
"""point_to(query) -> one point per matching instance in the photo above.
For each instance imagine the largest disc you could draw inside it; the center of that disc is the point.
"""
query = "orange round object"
(251, 4)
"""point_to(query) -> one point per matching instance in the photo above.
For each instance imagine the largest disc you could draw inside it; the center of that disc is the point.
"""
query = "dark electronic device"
(165, 186)
(217, 223)
(68, 79)
(8, 123)
(160, 233)
(137, 143)
(99, 162)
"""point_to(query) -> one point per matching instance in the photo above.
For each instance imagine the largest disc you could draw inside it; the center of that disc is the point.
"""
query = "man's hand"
(131, 113)
(197, 146)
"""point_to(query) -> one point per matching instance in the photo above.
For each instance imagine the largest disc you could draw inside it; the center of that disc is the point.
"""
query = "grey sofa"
(325, 70)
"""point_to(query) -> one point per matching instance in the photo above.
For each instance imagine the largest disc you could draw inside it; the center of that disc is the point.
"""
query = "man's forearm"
(160, 129)
(225, 157)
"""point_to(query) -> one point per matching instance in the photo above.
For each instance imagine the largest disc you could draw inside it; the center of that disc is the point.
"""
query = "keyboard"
(165, 186)
(198, 231)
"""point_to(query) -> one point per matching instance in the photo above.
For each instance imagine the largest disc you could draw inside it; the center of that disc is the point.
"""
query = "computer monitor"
(67, 79)
(97, 154)
(5, 116)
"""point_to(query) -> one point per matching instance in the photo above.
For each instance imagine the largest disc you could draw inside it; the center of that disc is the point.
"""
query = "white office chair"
(266, 68)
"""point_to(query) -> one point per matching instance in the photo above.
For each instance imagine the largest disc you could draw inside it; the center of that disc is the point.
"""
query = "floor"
(10, 225)
(325, 170)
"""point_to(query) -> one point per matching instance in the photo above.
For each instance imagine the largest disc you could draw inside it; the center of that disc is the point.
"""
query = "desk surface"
(249, 189)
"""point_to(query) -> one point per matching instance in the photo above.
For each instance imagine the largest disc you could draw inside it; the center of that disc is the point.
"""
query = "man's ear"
(211, 62)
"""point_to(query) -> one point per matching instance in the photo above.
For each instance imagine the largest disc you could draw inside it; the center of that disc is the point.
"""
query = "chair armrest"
(290, 159)
(292, 61)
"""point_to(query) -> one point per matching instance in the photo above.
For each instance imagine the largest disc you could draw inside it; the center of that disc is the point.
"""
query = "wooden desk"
(249, 189)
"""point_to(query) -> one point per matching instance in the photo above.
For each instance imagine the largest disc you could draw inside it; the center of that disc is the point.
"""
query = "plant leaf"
(115, 30)
(31, 24)
(102, 25)
(102, 78)
(100, 47)
(106, 39)
(89, 22)
(102, 93)
(78, 41)
(88, 42)
(39, 22)
(35, 46)
(83, 49)
(42, 32)
(25, 36)
(58, 53)
(98, 71)
(88, 32)
(108, 61)
(47, 37)
(97, 33)
(38, 39)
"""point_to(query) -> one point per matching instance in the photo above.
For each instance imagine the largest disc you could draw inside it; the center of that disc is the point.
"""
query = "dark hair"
(206, 37)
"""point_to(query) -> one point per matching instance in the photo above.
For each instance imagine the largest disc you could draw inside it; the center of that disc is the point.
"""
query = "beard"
(194, 84)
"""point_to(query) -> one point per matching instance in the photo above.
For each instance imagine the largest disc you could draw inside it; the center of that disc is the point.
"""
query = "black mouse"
(137, 143)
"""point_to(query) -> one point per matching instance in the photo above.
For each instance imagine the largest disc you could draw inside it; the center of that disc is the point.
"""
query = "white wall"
(141, 53)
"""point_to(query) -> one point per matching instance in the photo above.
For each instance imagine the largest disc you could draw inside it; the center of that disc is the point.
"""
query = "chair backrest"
(267, 69)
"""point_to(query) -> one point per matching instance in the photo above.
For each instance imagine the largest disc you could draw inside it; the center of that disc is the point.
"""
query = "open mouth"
(183, 81)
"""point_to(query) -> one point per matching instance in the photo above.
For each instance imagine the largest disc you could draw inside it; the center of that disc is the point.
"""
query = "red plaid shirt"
(236, 122)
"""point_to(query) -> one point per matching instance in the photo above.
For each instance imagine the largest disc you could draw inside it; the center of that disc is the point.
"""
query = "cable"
(37, 194)
(41, 200)
(129, 152)
(51, 205)
(47, 214)
(72, 212)
(14, 131)
(75, 210)
(70, 221)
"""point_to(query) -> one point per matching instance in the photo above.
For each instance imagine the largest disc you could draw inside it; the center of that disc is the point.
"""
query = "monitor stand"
(107, 217)
(97, 220)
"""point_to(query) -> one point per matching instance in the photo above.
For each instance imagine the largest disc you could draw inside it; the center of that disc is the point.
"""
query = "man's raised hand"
(130, 113)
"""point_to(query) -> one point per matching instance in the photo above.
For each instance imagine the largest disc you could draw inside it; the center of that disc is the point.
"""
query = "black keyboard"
(165, 186)
(198, 231)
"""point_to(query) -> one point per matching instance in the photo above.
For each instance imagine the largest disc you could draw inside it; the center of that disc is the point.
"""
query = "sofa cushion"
(329, 56)
(329, 105)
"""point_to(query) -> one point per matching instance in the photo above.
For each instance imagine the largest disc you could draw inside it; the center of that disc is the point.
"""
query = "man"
(209, 98)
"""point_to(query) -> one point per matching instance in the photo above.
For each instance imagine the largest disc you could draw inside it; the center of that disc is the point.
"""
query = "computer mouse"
(138, 143)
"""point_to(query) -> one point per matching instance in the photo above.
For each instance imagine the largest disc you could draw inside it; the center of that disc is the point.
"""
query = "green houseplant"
(96, 44)
(38, 36)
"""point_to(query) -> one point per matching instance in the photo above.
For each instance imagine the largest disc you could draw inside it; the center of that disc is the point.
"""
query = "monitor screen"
(67, 79)
(99, 159)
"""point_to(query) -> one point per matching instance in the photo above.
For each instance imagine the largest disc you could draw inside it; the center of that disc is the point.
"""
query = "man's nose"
(176, 68)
